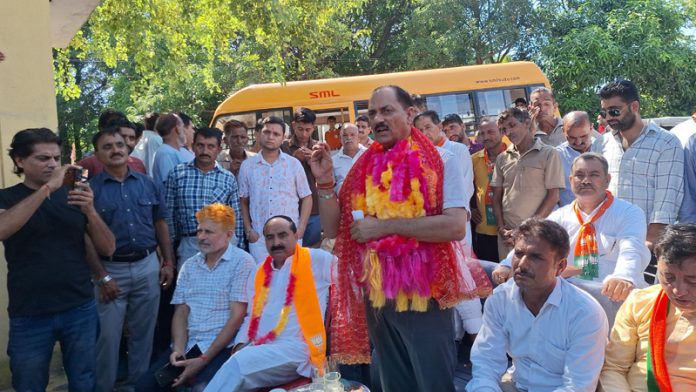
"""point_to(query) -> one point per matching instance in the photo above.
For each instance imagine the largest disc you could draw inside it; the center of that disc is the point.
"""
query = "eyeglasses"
(611, 112)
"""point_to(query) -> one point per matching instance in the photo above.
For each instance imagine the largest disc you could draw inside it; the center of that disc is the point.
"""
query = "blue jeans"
(31, 343)
(312, 234)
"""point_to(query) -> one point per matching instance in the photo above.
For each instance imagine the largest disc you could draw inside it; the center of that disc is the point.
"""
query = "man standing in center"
(300, 146)
(413, 210)
(191, 186)
(549, 128)
(272, 183)
(527, 178)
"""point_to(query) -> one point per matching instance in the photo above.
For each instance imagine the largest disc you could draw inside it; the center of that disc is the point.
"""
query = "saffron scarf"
(658, 376)
(300, 293)
(585, 254)
(405, 181)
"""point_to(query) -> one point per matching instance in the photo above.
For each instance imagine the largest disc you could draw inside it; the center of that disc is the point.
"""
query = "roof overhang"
(67, 17)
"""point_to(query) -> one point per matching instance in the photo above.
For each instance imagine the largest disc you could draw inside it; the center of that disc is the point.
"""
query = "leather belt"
(131, 257)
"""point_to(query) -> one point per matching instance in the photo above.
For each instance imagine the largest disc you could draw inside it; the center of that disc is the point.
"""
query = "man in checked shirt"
(190, 186)
(646, 163)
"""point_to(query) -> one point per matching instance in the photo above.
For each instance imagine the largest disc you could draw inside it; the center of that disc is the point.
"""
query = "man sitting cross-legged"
(210, 299)
(283, 333)
(554, 332)
(653, 343)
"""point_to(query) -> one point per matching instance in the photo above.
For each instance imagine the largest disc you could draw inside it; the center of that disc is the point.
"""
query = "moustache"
(116, 155)
(277, 247)
(204, 156)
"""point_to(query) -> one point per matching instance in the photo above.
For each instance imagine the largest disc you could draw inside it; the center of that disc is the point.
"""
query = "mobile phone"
(74, 175)
(166, 375)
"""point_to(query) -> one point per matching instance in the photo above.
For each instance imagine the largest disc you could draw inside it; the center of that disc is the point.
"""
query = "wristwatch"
(106, 279)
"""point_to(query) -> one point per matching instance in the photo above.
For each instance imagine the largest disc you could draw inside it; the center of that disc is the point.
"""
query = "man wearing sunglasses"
(646, 162)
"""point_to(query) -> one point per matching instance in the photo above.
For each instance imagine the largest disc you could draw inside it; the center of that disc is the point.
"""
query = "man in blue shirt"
(133, 207)
(191, 186)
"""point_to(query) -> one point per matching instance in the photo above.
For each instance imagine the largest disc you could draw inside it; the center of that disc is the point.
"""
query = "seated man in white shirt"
(211, 302)
(283, 334)
(613, 230)
(554, 332)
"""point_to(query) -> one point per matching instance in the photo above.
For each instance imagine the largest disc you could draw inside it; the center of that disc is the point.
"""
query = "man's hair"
(305, 115)
(431, 114)
(108, 117)
(551, 232)
(150, 120)
(677, 244)
(522, 100)
(452, 118)
(419, 101)
(165, 123)
(519, 114)
(219, 213)
(330, 118)
(274, 120)
(543, 90)
(207, 133)
(293, 227)
(232, 124)
(111, 131)
(23, 143)
(402, 95)
(575, 119)
(185, 118)
(591, 156)
(625, 89)
(488, 119)
(139, 128)
(363, 118)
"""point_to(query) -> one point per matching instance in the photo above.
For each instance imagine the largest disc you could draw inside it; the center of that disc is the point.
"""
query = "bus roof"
(351, 88)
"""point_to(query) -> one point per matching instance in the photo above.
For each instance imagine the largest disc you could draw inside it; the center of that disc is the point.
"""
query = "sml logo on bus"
(323, 94)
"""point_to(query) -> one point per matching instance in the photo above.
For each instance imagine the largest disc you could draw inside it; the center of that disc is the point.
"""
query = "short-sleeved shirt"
(481, 183)
(525, 179)
(130, 209)
(146, 149)
(453, 182)
(272, 188)
(555, 137)
(224, 158)
(166, 160)
(649, 174)
(208, 293)
(94, 166)
(46, 268)
(289, 147)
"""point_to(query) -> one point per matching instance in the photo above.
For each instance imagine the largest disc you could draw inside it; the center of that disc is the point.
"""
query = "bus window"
(459, 103)
(360, 108)
(491, 102)
(250, 118)
(341, 114)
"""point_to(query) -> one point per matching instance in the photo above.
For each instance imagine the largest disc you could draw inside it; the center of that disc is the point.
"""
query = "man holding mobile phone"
(51, 236)
(211, 302)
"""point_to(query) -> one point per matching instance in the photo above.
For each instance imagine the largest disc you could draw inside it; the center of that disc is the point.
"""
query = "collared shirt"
(555, 137)
(289, 147)
(625, 366)
(188, 189)
(146, 148)
(130, 209)
(687, 213)
(567, 154)
(224, 158)
(525, 179)
(481, 184)
(649, 174)
(208, 293)
(342, 164)
(290, 343)
(166, 159)
(272, 188)
(621, 232)
(559, 349)
(94, 166)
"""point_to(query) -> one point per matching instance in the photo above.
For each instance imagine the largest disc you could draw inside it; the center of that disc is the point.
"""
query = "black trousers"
(486, 247)
(416, 350)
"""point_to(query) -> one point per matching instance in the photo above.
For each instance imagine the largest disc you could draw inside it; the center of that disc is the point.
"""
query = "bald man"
(579, 135)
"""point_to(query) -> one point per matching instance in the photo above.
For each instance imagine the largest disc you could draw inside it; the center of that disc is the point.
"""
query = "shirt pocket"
(147, 206)
(532, 179)
(552, 358)
(221, 301)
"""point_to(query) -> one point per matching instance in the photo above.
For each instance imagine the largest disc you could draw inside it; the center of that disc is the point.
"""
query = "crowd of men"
(213, 256)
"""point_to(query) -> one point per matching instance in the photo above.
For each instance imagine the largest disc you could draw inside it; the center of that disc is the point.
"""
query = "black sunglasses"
(611, 112)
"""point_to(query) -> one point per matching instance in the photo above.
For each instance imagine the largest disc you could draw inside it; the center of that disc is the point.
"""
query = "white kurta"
(286, 357)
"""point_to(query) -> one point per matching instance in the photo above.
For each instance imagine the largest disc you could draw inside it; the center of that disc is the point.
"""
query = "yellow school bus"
(473, 92)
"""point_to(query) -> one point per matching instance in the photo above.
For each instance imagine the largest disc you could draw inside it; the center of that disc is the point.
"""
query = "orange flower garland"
(260, 302)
